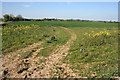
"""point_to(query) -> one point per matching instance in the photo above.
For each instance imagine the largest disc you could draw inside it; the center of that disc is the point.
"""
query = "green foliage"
(60, 38)
(69, 24)
(19, 36)
(63, 53)
(12, 18)
(48, 41)
(94, 52)
(6, 18)
(92, 55)
(53, 38)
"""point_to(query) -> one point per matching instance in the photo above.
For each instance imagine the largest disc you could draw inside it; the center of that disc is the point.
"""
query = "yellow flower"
(89, 34)
(108, 33)
(86, 33)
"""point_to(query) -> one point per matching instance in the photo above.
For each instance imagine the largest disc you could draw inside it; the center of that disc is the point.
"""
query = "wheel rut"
(12, 62)
(54, 59)
(27, 68)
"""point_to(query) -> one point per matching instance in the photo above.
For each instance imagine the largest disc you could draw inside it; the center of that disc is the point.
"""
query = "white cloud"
(26, 5)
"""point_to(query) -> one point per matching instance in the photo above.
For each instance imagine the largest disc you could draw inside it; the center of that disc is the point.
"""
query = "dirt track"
(55, 58)
(26, 68)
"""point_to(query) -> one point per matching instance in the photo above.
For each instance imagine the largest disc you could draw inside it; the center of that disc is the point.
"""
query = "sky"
(63, 10)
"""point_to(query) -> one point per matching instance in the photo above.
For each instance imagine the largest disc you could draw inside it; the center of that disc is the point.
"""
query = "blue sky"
(64, 10)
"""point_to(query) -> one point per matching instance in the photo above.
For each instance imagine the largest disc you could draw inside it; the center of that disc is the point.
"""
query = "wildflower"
(85, 33)
(89, 34)
(108, 33)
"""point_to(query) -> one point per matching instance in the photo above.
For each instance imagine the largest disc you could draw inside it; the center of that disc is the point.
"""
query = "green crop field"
(93, 53)
(67, 23)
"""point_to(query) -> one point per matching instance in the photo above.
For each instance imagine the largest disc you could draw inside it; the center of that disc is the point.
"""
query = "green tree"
(19, 18)
(6, 17)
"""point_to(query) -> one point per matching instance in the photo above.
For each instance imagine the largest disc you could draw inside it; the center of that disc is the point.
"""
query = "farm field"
(60, 49)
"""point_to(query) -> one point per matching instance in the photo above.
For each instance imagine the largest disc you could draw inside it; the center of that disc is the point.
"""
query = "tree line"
(10, 17)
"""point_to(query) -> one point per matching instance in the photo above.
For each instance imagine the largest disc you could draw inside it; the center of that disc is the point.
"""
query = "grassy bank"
(95, 52)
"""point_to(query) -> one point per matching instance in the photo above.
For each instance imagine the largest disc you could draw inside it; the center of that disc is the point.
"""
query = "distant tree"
(78, 20)
(10, 18)
(45, 19)
(6, 17)
(14, 18)
(104, 21)
(19, 18)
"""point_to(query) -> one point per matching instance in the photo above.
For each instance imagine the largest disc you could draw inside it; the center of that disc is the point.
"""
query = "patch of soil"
(31, 68)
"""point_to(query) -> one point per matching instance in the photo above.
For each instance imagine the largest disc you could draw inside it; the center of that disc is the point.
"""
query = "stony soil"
(31, 67)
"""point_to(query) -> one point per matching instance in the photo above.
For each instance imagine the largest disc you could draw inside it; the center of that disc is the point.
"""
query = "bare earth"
(30, 67)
